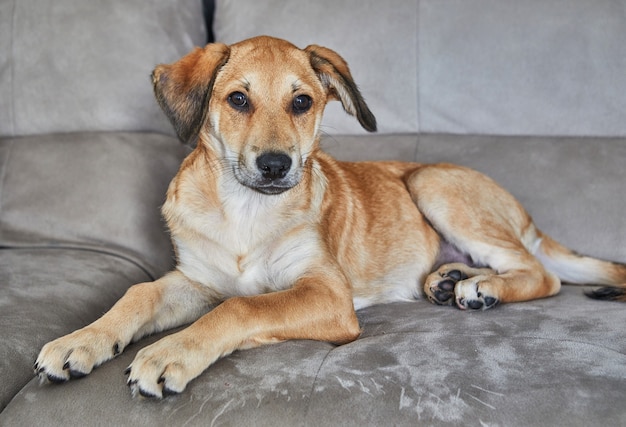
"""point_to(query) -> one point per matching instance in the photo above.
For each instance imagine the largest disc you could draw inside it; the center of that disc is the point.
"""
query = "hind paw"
(608, 293)
(463, 286)
(441, 289)
(469, 294)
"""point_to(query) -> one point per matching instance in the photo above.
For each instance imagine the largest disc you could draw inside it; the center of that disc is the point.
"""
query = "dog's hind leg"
(479, 218)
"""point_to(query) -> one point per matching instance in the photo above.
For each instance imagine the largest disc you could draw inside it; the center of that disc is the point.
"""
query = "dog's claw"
(147, 394)
(169, 392)
(74, 374)
(54, 379)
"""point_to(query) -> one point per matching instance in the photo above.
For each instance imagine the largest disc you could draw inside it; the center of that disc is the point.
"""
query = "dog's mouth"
(271, 188)
(269, 173)
(265, 185)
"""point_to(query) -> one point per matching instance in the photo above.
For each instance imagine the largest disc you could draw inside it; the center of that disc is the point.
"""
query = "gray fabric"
(46, 293)
(99, 191)
(523, 68)
(371, 147)
(548, 362)
(360, 31)
(488, 67)
(75, 65)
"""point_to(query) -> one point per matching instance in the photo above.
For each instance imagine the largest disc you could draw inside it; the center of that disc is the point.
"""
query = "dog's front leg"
(315, 308)
(145, 308)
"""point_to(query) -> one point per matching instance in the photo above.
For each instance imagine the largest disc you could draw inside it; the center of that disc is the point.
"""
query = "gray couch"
(531, 93)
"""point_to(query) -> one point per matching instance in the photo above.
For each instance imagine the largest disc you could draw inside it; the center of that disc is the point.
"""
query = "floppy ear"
(335, 75)
(183, 88)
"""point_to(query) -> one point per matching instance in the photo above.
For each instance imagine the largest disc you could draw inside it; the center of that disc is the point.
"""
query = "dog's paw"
(474, 294)
(165, 367)
(441, 285)
(74, 355)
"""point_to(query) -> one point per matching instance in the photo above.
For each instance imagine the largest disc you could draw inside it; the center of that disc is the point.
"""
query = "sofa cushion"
(529, 364)
(359, 30)
(556, 361)
(47, 293)
(99, 191)
(72, 65)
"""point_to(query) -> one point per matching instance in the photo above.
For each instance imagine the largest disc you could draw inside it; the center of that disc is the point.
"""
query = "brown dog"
(291, 241)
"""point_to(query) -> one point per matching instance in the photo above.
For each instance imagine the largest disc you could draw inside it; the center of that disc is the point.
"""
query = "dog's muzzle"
(274, 174)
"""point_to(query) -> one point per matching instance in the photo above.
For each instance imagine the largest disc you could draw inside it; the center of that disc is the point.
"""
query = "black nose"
(273, 165)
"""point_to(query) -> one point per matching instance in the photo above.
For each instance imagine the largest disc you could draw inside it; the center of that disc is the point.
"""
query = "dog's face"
(257, 105)
(264, 114)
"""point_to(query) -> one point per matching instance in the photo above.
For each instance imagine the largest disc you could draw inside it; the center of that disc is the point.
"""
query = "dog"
(286, 243)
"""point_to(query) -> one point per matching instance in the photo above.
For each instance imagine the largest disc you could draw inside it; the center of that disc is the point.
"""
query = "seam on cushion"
(3, 172)
(418, 91)
(12, 71)
(128, 259)
(319, 369)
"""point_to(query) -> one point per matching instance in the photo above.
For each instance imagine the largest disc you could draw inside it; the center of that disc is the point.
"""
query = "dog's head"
(258, 105)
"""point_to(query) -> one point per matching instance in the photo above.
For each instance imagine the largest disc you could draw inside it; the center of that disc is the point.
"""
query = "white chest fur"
(252, 243)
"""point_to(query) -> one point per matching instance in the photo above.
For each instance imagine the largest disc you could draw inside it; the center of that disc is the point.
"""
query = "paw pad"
(443, 291)
(478, 303)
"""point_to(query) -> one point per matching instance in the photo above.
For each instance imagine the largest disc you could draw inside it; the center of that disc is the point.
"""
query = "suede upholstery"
(61, 72)
(531, 93)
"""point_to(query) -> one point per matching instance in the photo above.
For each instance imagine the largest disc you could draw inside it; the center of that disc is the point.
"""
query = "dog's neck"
(229, 211)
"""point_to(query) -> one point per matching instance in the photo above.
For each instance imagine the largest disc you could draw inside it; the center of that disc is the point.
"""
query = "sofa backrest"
(461, 66)
(75, 65)
(436, 66)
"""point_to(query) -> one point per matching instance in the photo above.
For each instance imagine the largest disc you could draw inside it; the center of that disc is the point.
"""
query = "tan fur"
(289, 241)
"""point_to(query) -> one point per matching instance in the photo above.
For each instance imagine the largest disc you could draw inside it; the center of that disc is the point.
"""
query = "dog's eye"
(238, 101)
(302, 104)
